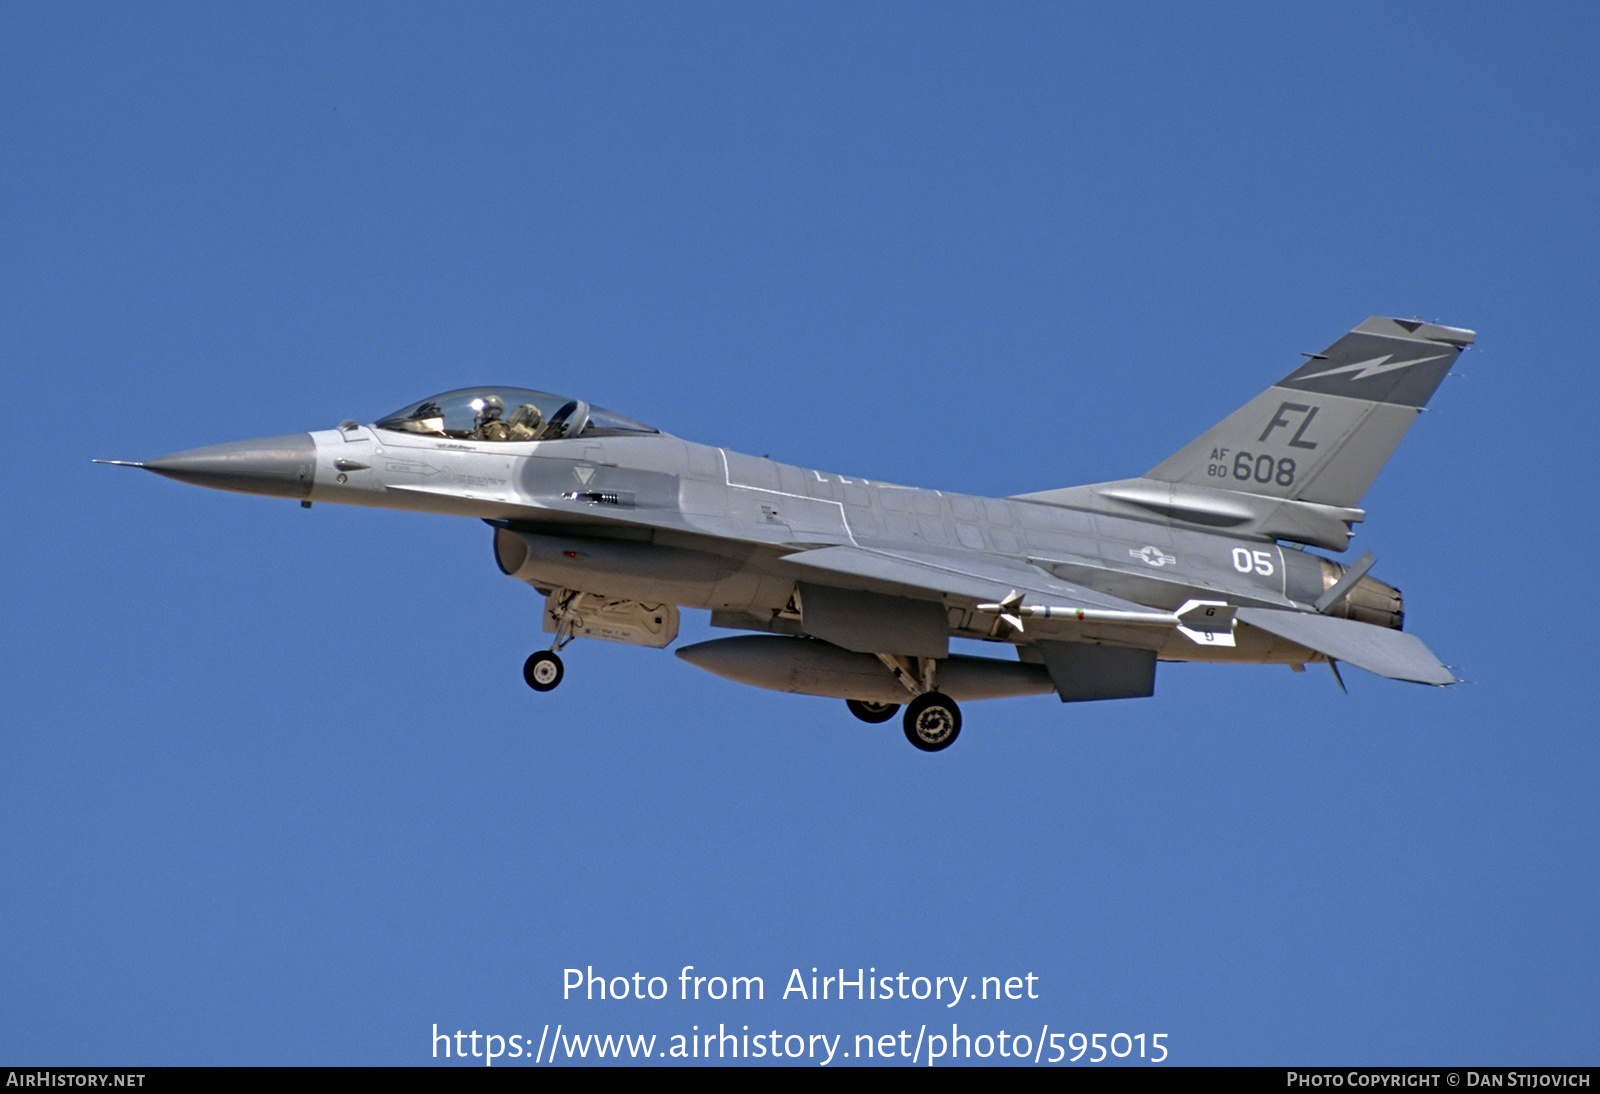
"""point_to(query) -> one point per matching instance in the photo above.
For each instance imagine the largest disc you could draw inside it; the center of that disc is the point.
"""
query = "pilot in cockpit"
(488, 425)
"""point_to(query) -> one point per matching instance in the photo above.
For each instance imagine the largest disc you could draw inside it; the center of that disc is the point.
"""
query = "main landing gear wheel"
(543, 671)
(932, 721)
(872, 712)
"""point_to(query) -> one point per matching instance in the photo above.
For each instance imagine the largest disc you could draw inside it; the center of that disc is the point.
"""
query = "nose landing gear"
(543, 670)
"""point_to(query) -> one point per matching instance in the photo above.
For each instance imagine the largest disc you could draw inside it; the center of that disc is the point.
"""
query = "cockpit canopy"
(508, 414)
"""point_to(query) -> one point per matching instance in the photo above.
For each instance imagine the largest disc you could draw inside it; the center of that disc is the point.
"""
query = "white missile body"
(1205, 621)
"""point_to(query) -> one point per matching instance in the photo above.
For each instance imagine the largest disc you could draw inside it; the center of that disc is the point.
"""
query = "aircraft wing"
(972, 576)
(1394, 654)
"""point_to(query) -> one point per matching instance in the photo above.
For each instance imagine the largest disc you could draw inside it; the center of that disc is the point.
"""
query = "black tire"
(543, 671)
(932, 722)
(872, 712)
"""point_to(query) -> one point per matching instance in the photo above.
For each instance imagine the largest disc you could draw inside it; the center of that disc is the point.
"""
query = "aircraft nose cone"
(280, 466)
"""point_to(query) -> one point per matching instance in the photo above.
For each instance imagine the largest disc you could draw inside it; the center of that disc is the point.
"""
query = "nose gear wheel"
(543, 670)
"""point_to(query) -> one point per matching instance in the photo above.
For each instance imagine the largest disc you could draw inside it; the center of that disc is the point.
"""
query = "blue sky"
(274, 789)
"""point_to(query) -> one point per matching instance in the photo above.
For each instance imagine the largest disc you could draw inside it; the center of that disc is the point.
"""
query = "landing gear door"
(573, 614)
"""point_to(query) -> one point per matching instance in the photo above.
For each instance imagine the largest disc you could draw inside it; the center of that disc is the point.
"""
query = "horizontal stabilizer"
(1394, 654)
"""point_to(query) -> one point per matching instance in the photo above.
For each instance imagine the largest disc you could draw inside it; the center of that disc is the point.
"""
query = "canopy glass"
(507, 414)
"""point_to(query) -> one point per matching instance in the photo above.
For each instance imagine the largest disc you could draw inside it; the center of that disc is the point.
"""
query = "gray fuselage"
(656, 518)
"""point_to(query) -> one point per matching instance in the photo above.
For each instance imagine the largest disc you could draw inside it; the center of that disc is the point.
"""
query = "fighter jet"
(852, 588)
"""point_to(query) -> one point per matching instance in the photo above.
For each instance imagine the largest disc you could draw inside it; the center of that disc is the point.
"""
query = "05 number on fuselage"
(1247, 561)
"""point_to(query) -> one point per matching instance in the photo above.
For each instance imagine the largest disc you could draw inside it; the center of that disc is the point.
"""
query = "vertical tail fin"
(1322, 433)
(1295, 461)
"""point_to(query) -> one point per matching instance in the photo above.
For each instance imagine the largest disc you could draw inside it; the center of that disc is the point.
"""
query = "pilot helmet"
(493, 407)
